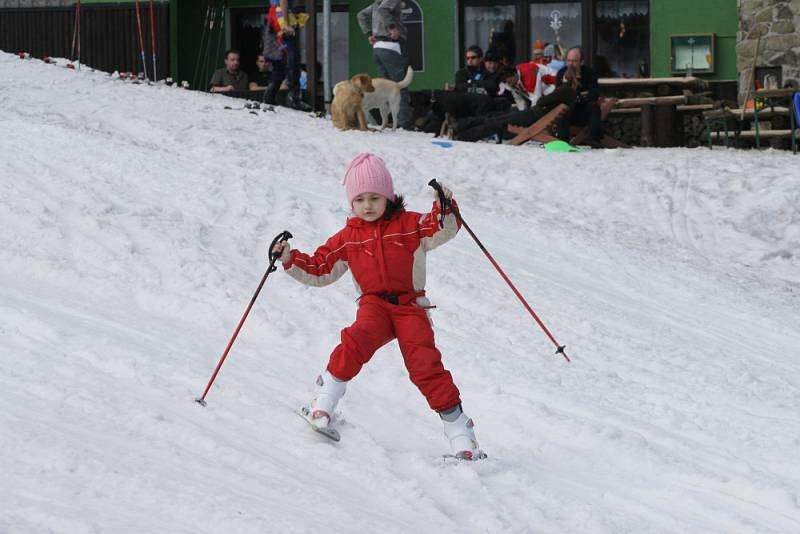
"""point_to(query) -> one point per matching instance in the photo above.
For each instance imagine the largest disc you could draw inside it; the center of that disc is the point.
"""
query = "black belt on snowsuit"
(398, 298)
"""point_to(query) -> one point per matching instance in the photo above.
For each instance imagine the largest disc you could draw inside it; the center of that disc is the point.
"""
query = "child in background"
(384, 246)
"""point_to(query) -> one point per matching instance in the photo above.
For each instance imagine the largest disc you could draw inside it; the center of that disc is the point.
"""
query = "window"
(623, 38)
(340, 41)
(483, 24)
(555, 22)
(412, 19)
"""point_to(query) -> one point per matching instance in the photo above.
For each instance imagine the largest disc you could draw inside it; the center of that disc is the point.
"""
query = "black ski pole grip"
(443, 202)
(283, 236)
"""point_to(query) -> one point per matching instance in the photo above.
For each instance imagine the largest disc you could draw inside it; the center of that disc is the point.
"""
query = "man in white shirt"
(382, 22)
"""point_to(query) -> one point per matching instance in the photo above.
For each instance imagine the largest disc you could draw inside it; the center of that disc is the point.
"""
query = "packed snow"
(135, 221)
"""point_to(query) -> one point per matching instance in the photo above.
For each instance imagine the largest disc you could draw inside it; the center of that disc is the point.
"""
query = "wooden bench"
(766, 134)
(731, 120)
(540, 130)
(579, 135)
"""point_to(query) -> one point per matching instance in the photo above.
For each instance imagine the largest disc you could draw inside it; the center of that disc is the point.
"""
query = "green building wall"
(439, 33)
(670, 17)
(440, 20)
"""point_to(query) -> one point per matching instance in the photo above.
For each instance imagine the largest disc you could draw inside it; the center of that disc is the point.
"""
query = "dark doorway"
(246, 28)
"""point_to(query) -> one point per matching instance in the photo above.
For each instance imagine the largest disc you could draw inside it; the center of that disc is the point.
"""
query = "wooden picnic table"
(658, 101)
(662, 86)
(660, 111)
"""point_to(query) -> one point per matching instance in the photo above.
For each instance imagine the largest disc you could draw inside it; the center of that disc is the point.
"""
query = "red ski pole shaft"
(76, 28)
(74, 34)
(273, 258)
(141, 38)
(457, 213)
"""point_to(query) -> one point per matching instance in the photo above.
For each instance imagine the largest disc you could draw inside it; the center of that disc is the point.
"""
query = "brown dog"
(346, 110)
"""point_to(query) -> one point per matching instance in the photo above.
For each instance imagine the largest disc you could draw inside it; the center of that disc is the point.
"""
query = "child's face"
(369, 206)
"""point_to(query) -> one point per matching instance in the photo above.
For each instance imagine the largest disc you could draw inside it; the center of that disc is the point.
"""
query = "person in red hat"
(384, 246)
(538, 51)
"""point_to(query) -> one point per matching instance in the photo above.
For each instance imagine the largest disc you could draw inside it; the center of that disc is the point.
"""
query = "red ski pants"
(377, 323)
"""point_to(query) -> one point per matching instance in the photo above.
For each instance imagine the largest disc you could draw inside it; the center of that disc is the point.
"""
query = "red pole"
(283, 236)
(76, 28)
(153, 40)
(202, 399)
(513, 288)
(141, 38)
(445, 202)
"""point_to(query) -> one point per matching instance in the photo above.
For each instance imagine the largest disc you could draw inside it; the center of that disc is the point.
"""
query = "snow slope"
(134, 222)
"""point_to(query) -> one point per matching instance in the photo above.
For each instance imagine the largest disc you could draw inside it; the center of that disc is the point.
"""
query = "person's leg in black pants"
(581, 115)
(595, 122)
(275, 81)
(492, 123)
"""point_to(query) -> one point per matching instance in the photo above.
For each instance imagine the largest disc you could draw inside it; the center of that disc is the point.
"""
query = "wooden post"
(647, 125)
(664, 117)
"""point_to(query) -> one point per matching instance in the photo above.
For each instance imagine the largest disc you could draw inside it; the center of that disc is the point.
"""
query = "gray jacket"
(375, 19)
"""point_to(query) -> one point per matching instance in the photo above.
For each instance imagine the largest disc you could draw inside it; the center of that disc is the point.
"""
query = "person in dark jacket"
(586, 110)
(473, 78)
(477, 128)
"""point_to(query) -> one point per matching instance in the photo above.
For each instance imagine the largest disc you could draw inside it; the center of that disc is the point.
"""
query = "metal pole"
(153, 40)
(326, 52)
(311, 52)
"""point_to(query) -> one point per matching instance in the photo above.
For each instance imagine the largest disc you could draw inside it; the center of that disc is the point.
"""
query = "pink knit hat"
(367, 173)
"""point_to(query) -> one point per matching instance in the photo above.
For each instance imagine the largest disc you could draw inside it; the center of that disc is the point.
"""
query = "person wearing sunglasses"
(470, 78)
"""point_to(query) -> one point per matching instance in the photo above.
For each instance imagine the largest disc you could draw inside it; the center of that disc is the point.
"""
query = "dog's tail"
(405, 82)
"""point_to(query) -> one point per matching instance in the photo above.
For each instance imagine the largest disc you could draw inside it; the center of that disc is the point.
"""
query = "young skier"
(384, 246)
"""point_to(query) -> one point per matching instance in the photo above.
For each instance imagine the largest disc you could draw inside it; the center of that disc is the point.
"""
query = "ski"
(480, 456)
(328, 432)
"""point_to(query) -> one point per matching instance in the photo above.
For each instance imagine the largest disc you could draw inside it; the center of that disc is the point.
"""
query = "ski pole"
(79, 34)
(76, 32)
(141, 39)
(444, 203)
(153, 40)
(283, 236)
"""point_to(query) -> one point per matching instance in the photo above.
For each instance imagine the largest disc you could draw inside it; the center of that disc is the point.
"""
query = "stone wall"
(777, 22)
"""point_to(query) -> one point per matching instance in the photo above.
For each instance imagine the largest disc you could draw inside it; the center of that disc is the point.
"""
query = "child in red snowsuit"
(384, 247)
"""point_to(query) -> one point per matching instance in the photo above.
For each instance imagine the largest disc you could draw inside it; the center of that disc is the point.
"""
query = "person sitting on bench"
(262, 77)
(229, 78)
(477, 128)
(586, 110)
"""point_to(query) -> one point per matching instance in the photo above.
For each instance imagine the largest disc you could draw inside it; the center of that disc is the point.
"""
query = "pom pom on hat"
(367, 173)
(538, 46)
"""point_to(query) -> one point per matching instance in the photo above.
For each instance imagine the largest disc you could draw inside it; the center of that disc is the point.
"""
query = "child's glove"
(283, 250)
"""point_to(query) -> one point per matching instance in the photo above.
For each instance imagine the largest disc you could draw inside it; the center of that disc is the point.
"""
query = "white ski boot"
(461, 435)
(329, 391)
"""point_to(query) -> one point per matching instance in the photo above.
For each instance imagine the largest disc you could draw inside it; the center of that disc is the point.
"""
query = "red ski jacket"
(528, 73)
(385, 257)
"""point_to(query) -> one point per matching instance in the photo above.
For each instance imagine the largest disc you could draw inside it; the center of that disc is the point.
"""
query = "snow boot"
(294, 101)
(459, 431)
(329, 391)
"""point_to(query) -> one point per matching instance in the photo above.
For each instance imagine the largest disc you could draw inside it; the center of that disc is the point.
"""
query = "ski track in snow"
(135, 221)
